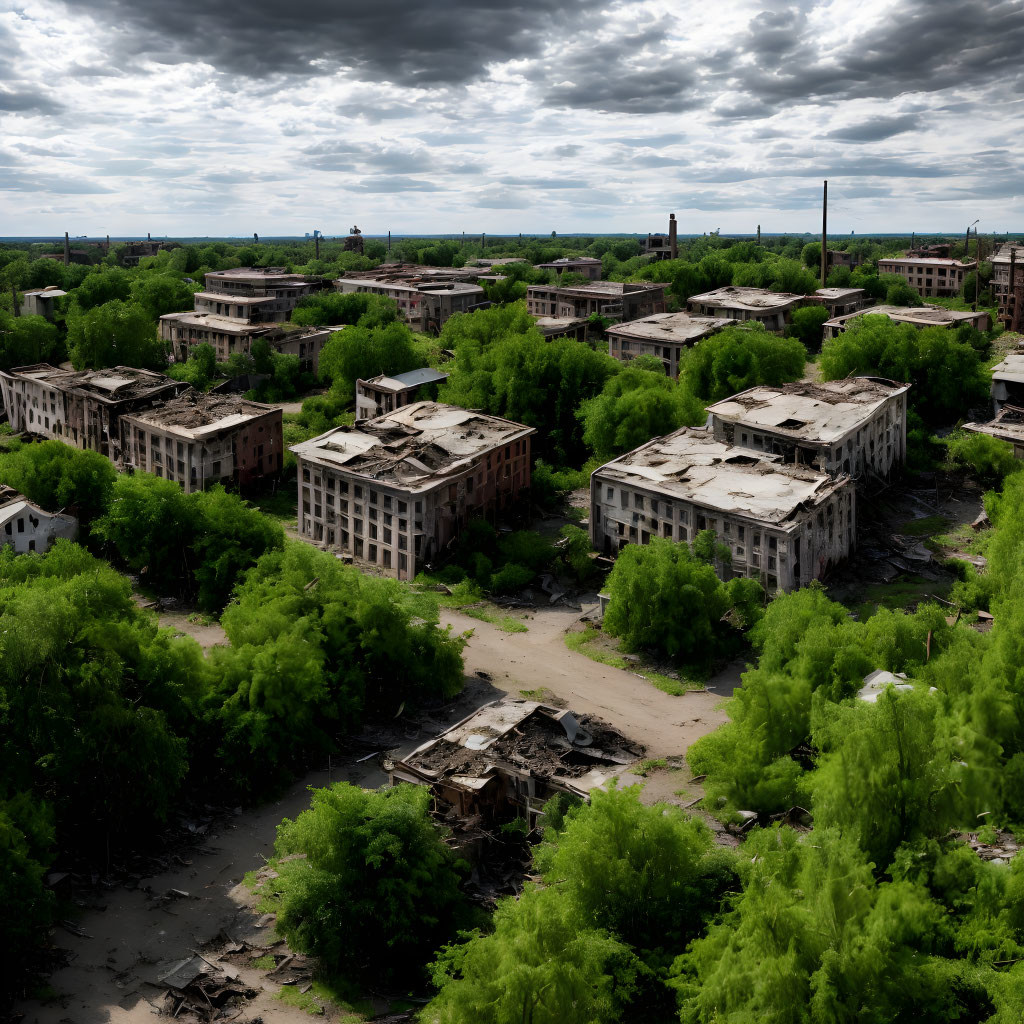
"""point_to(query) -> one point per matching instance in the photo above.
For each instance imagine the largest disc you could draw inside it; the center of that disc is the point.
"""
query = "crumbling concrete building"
(383, 394)
(618, 300)
(839, 301)
(24, 526)
(201, 439)
(1008, 381)
(133, 252)
(919, 316)
(41, 301)
(425, 303)
(255, 294)
(663, 247)
(929, 276)
(392, 493)
(507, 759)
(772, 309)
(585, 266)
(552, 327)
(666, 336)
(852, 428)
(1007, 285)
(1007, 426)
(784, 524)
(82, 407)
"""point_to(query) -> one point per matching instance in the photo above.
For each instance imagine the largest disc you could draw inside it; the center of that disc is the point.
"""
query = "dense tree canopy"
(113, 334)
(25, 340)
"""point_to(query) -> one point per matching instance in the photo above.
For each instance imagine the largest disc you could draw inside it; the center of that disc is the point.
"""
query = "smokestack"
(389, 241)
(824, 233)
(758, 234)
(483, 240)
(256, 238)
(108, 244)
(149, 237)
(67, 249)
(673, 245)
(316, 242)
(913, 239)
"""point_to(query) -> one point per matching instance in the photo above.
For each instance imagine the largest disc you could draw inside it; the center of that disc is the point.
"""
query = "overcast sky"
(221, 117)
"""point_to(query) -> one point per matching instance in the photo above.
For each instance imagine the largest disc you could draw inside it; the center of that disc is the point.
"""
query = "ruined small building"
(201, 439)
(839, 301)
(392, 493)
(24, 526)
(939, 250)
(491, 263)
(552, 327)
(853, 427)
(586, 266)
(41, 301)
(508, 758)
(133, 252)
(784, 524)
(929, 275)
(82, 407)
(772, 309)
(919, 316)
(840, 258)
(1007, 426)
(618, 300)
(255, 294)
(666, 336)
(425, 302)
(1007, 285)
(663, 247)
(383, 394)
(1008, 381)
(354, 242)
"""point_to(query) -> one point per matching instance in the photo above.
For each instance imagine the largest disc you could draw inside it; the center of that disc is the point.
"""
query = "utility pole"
(967, 242)
(977, 271)
(824, 233)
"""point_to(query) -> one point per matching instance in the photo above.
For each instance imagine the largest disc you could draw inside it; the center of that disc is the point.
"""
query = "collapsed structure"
(919, 316)
(392, 493)
(622, 300)
(383, 394)
(1007, 426)
(201, 439)
(585, 266)
(784, 524)
(507, 759)
(1008, 381)
(663, 247)
(665, 336)
(849, 427)
(24, 526)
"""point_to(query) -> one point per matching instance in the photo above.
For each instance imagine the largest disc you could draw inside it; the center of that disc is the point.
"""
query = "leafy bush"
(987, 457)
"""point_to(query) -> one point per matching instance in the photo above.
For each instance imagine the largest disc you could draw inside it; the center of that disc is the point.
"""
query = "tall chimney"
(758, 234)
(673, 244)
(316, 243)
(483, 240)
(256, 238)
(824, 233)
(149, 237)
(67, 250)
(108, 244)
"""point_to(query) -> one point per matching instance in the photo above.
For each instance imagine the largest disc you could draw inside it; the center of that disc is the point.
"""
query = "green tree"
(898, 291)
(811, 255)
(806, 325)
(335, 308)
(158, 294)
(25, 340)
(101, 286)
(113, 334)
(365, 882)
(359, 353)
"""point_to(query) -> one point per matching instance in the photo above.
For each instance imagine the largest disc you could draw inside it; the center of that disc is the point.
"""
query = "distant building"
(842, 427)
(201, 439)
(919, 316)
(839, 301)
(1008, 285)
(938, 250)
(26, 527)
(82, 407)
(563, 327)
(1007, 426)
(664, 335)
(381, 395)
(1008, 381)
(392, 493)
(491, 263)
(785, 525)
(663, 247)
(929, 276)
(773, 309)
(616, 299)
(840, 258)
(133, 252)
(425, 304)
(586, 266)
(255, 294)
(41, 301)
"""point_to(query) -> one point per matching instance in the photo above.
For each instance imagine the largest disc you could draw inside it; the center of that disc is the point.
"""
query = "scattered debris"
(1001, 850)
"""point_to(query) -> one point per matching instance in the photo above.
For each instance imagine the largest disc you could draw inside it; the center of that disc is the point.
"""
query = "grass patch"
(902, 593)
(965, 539)
(510, 624)
(648, 765)
(927, 526)
(263, 963)
(282, 505)
(305, 1001)
(588, 642)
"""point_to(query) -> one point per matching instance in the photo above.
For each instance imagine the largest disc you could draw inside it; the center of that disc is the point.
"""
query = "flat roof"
(50, 292)
(1007, 426)
(690, 465)
(238, 300)
(412, 284)
(838, 293)
(115, 383)
(931, 261)
(816, 412)
(758, 299)
(278, 275)
(216, 322)
(568, 261)
(407, 380)
(551, 324)
(415, 447)
(1003, 256)
(671, 328)
(1011, 368)
(194, 415)
(922, 316)
(600, 288)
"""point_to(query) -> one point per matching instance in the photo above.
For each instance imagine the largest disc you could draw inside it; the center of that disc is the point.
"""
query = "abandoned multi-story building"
(1008, 381)
(1008, 426)
(255, 294)
(929, 276)
(784, 524)
(25, 526)
(552, 327)
(585, 266)
(666, 336)
(41, 301)
(616, 299)
(509, 757)
(841, 258)
(383, 394)
(1007, 285)
(392, 493)
(773, 309)
(919, 316)
(201, 439)
(663, 247)
(425, 304)
(839, 301)
(133, 252)
(82, 407)
(855, 427)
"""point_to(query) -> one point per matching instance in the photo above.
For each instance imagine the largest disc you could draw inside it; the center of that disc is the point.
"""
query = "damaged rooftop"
(823, 412)
(195, 414)
(690, 465)
(924, 316)
(670, 327)
(735, 297)
(115, 383)
(414, 447)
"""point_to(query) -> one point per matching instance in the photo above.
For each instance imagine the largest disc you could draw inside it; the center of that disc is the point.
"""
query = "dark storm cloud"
(427, 44)
(27, 101)
(875, 129)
